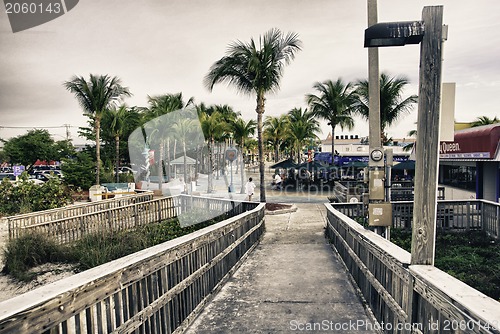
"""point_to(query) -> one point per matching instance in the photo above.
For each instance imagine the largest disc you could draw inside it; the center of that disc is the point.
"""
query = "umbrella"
(288, 163)
(408, 164)
(312, 165)
(356, 164)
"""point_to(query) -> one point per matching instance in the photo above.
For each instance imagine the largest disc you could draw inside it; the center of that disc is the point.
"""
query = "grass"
(471, 257)
(31, 250)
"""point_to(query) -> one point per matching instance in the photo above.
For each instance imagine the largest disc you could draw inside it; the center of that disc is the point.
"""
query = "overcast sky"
(158, 47)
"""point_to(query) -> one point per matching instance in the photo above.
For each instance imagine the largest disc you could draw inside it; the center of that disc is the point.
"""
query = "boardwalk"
(291, 282)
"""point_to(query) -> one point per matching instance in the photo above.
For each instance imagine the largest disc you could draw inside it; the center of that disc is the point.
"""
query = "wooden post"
(427, 151)
(373, 85)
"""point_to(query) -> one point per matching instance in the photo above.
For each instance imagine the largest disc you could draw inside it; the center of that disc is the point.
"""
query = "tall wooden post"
(427, 145)
(373, 85)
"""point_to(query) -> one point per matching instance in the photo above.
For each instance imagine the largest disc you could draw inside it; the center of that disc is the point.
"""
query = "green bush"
(79, 171)
(25, 196)
(29, 251)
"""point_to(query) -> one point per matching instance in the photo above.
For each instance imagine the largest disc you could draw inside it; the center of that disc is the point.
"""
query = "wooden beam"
(426, 167)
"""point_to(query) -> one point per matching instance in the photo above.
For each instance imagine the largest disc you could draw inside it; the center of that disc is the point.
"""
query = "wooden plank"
(426, 165)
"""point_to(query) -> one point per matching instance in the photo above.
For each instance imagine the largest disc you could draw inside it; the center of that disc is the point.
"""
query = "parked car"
(125, 169)
(9, 176)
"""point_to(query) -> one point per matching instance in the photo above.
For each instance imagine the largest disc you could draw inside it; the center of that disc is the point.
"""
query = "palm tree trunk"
(117, 154)
(97, 147)
(333, 144)
(260, 112)
(242, 175)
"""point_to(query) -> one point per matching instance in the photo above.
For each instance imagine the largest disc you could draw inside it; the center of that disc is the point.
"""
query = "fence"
(152, 291)
(406, 298)
(451, 215)
(19, 223)
(125, 217)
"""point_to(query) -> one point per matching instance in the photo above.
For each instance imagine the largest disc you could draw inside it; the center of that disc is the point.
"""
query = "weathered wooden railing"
(156, 290)
(406, 298)
(19, 223)
(451, 215)
(129, 216)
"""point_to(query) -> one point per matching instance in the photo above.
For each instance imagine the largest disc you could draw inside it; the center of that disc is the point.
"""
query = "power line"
(37, 127)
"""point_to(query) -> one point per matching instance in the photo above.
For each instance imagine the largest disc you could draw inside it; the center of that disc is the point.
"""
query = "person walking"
(249, 188)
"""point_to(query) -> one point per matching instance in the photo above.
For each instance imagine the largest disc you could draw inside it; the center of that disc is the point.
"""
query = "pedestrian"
(249, 188)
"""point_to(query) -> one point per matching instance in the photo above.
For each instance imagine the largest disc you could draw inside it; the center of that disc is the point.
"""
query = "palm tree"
(256, 67)
(96, 96)
(242, 130)
(184, 129)
(334, 104)
(275, 133)
(120, 120)
(302, 126)
(213, 127)
(392, 104)
(161, 105)
(484, 120)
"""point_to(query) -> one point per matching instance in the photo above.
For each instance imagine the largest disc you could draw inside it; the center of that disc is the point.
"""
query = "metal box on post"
(376, 185)
(380, 214)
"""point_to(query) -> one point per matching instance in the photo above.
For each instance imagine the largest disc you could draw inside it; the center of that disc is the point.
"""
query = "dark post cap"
(394, 33)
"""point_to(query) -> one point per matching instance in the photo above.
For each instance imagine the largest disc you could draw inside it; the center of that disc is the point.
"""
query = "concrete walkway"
(291, 282)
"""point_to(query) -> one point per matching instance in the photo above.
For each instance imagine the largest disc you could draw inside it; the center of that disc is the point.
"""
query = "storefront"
(472, 161)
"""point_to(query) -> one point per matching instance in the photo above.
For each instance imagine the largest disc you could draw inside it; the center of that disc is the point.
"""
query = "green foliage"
(471, 257)
(29, 251)
(79, 171)
(25, 196)
(36, 144)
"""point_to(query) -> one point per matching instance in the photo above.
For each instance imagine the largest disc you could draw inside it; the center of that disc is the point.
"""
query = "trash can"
(95, 193)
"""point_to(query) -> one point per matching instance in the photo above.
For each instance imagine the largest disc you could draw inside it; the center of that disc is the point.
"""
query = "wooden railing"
(451, 215)
(73, 227)
(20, 223)
(156, 290)
(406, 298)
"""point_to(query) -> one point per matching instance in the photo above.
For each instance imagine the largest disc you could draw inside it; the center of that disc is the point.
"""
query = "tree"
(302, 126)
(275, 133)
(484, 120)
(119, 121)
(241, 131)
(335, 104)
(256, 68)
(34, 145)
(213, 127)
(95, 96)
(392, 104)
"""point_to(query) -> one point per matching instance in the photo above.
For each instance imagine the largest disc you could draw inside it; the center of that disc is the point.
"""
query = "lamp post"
(429, 33)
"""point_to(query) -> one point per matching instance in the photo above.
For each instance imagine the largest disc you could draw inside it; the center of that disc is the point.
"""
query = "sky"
(158, 47)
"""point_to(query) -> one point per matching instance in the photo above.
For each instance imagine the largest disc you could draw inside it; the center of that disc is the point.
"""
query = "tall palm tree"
(213, 127)
(335, 104)
(241, 131)
(256, 68)
(484, 120)
(95, 96)
(120, 121)
(275, 133)
(302, 126)
(184, 129)
(392, 104)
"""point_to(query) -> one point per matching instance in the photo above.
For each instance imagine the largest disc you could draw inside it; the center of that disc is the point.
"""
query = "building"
(472, 161)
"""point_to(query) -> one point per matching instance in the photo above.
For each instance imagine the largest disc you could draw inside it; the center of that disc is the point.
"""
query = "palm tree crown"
(334, 104)
(96, 96)
(392, 104)
(256, 67)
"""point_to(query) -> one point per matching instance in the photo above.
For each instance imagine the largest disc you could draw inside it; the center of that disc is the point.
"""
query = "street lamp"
(429, 33)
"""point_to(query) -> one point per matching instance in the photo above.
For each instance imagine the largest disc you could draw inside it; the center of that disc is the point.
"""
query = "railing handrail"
(77, 206)
(438, 296)
(77, 294)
